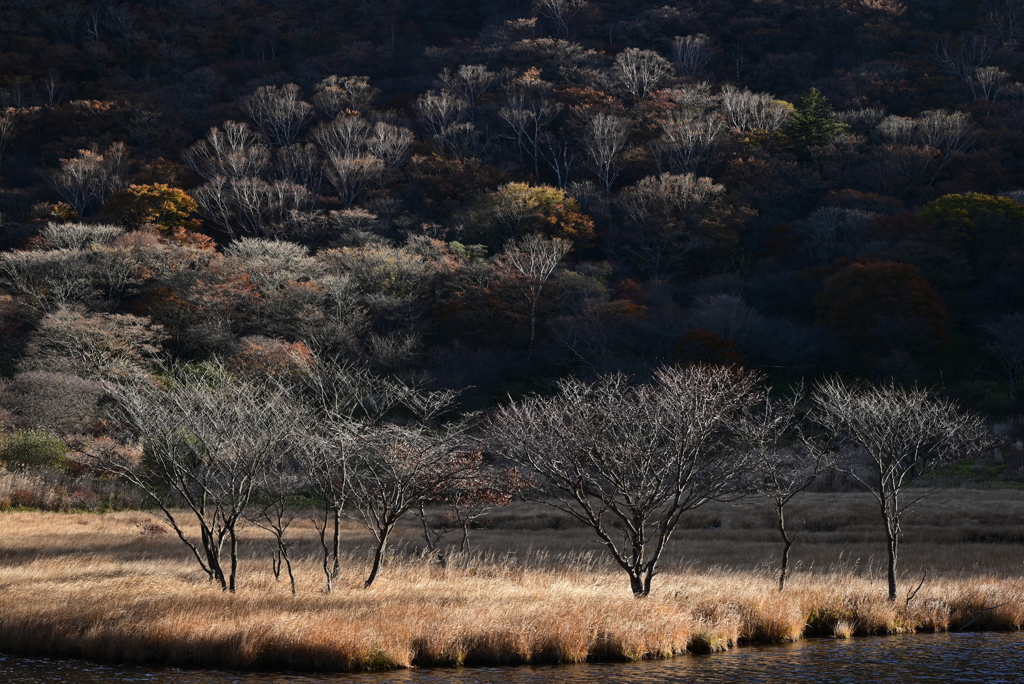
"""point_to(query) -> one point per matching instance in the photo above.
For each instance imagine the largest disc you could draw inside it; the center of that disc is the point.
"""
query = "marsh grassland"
(118, 587)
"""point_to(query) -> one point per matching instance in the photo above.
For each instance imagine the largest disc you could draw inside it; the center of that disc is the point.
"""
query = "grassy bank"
(115, 587)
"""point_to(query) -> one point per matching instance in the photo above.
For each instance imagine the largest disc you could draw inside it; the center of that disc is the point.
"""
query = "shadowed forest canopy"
(490, 196)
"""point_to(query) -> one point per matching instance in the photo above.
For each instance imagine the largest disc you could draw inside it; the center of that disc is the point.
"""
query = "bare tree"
(1007, 347)
(529, 111)
(468, 500)
(350, 137)
(784, 463)
(535, 258)
(440, 110)
(560, 154)
(206, 443)
(468, 83)
(628, 460)
(336, 94)
(390, 143)
(397, 468)
(350, 175)
(689, 141)
(862, 120)
(442, 116)
(747, 111)
(960, 59)
(641, 71)
(947, 132)
(660, 210)
(897, 129)
(300, 164)
(691, 54)
(271, 512)
(64, 403)
(832, 232)
(233, 151)
(904, 433)
(326, 463)
(7, 133)
(250, 206)
(988, 82)
(1003, 22)
(86, 180)
(344, 136)
(561, 12)
(50, 279)
(934, 134)
(605, 137)
(280, 112)
(667, 195)
(345, 402)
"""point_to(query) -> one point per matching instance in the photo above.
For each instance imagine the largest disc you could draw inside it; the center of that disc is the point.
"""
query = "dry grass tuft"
(843, 629)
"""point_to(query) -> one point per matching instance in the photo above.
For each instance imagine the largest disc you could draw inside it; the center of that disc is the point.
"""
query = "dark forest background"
(491, 195)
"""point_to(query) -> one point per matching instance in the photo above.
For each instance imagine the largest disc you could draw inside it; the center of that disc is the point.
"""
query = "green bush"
(34, 449)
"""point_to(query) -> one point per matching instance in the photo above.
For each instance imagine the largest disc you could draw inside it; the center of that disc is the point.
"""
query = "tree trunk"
(533, 327)
(234, 560)
(890, 516)
(321, 529)
(288, 565)
(275, 561)
(893, 551)
(536, 154)
(336, 570)
(647, 581)
(378, 557)
(785, 565)
(426, 529)
(213, 558)
(788, 544)
(326, 558)
(637, 584)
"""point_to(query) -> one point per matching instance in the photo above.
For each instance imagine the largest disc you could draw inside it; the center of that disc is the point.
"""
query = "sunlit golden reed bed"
(108, 588)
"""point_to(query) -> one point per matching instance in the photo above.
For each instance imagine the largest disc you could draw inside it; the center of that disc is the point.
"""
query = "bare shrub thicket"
(103, 346)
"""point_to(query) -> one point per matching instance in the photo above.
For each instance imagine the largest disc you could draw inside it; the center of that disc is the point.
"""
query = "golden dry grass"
(105, 587)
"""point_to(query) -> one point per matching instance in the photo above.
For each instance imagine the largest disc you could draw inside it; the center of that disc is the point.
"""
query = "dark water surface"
(992, 657)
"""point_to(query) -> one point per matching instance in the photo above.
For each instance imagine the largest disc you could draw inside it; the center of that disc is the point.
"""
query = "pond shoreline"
(469, 666)
(937, 657)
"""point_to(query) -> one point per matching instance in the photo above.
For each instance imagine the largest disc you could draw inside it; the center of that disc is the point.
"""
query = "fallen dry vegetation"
(116, 587)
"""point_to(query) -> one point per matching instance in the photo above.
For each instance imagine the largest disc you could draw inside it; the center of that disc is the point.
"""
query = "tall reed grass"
(112, 588)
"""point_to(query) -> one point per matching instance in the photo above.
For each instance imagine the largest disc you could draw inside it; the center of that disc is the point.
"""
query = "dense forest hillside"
(489, 195)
